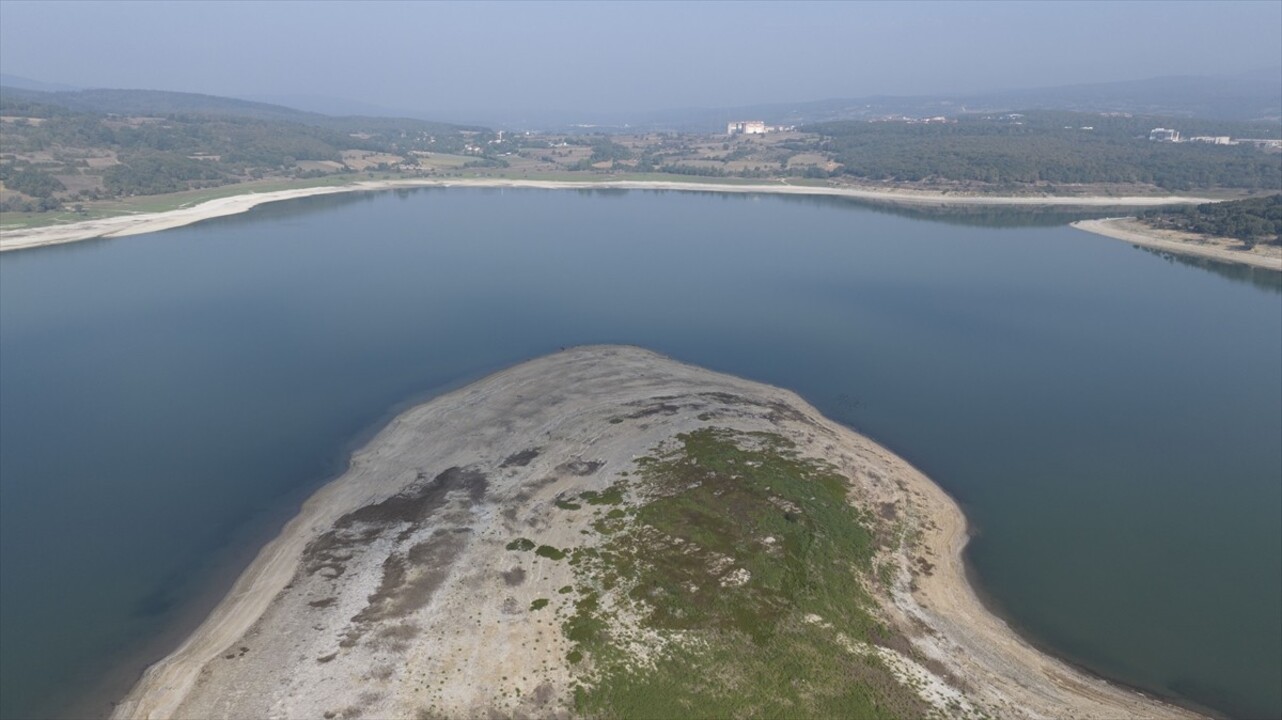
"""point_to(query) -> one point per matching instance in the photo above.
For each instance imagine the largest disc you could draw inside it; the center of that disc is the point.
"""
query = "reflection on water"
(1262, 278)
(974, 215)
(982, 215)
(967, 215)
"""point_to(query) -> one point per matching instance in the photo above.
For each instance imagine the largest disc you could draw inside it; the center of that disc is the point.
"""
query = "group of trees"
(1046, 148)
(238, 143)
(1256, 220)
(603, 150)
(29, 180)
(153, 173)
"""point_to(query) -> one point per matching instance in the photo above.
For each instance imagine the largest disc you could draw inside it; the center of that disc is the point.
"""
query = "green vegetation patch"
(1253, 221)
(539, 604)
(749, 560)
(521, 545)
(586, 625)
(612, 495)
(567, 505)
(550, 552)
(1051, 147)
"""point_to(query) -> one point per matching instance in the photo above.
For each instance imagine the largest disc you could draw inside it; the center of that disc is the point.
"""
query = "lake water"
(1110, 419)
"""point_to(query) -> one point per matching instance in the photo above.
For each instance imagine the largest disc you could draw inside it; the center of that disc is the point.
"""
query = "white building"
(1213, 139)
(1164, 135)
(747, 127)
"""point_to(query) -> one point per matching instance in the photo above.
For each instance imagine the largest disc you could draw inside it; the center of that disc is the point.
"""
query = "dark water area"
(1109, 418)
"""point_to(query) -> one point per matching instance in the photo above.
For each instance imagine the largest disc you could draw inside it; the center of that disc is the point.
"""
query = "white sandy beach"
(1133, 231)
(124, 225)
(299, 636)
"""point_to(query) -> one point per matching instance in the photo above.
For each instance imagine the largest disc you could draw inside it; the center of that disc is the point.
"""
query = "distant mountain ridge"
(22, 83)
(166, 102)
(338, 106)
(1249, 96)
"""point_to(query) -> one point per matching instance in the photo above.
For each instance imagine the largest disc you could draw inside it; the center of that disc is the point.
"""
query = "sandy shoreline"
(568, 403)
(1133, 231)
(125, 225)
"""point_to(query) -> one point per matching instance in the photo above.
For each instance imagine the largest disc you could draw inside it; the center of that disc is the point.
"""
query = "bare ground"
(1229, 250)
(393, 593)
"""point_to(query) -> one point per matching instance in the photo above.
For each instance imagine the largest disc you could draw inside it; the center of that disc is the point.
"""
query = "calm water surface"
(1110, 419)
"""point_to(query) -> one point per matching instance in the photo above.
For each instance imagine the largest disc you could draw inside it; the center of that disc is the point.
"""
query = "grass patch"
(521, 545)
(567, 505)
(539, 604)
(550, 552)
(612, 495)
(740, 540)
(586, 626)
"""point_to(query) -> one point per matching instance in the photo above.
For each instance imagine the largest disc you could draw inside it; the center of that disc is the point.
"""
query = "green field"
(749, 572)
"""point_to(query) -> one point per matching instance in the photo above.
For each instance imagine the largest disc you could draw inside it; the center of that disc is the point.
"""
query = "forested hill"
(59, 147)
(1050, 147)
(1254, 220)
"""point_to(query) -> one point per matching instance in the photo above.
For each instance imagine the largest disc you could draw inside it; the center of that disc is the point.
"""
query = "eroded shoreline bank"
(1133, 231)
(590, 412)
(125, 225)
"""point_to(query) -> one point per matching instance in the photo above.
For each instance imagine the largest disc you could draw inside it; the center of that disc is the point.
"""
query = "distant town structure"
(1213, 140)
(1266, 143)
(1170, 135)
(929, 120)
(747, 127)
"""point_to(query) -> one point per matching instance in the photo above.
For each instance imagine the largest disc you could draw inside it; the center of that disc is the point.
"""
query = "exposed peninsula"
(1137, 231)
(605, 530)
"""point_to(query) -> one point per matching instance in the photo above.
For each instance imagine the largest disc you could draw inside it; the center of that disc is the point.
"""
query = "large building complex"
(747, 127)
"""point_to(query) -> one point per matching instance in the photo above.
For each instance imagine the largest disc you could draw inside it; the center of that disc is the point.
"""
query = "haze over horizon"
(455, 61)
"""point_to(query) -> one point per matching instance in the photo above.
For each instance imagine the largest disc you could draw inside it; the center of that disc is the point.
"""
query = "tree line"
(1049, 148)
(1253, 221)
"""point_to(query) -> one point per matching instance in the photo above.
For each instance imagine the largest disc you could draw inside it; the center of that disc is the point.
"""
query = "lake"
(1109, 418)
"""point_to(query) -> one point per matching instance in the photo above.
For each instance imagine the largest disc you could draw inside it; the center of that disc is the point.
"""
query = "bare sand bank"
(124, 225)
(1228, 250)
(392, 593)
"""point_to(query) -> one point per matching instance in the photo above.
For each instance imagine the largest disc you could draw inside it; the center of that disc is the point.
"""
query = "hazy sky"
(460, 58)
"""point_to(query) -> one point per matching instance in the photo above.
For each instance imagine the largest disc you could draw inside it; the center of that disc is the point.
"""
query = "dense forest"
(1253, 221)
(1052, 148)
